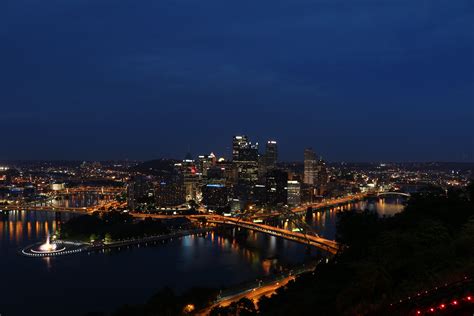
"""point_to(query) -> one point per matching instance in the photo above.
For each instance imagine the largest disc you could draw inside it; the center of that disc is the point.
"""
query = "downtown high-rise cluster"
(250, 179)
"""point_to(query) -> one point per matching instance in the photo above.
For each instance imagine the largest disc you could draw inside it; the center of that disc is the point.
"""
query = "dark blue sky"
(358, 80)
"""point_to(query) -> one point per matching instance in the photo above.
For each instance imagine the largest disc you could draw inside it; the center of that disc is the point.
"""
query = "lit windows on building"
(294, 193)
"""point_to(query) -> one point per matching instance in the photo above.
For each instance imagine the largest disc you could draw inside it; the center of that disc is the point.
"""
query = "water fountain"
(48, 247)
(54, 247)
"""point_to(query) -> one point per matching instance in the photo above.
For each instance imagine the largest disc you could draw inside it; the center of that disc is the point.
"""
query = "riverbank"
(75, 247)
(145, 240)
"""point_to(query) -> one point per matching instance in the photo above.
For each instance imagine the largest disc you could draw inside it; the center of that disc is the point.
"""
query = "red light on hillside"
(469, 298)
(418, 312)
(455, 302)
(442, 306)
(431, 309)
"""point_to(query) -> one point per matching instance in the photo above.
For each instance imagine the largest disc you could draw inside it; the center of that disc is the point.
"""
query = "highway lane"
(252, 294)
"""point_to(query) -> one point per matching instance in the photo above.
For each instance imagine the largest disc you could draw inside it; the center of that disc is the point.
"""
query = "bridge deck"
(319, 242)
(328, 245)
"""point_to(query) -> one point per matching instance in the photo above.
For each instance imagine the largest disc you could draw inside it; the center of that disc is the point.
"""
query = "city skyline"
(239, 158)
(358, 82)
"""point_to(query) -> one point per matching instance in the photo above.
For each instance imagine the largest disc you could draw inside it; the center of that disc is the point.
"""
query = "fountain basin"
(57, 248)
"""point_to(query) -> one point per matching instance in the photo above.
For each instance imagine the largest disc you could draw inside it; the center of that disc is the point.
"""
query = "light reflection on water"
(24, 227)
(324, 221)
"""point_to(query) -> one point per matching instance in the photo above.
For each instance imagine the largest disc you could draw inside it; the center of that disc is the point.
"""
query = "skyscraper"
(239, 143)
(294, 193)
(316, 175)
(276, 187)
(191, 178)
(267, 161)
(170, 192)
(271, 154)
(215, 196)
(245, 158)
(310, 167)
(205, 162)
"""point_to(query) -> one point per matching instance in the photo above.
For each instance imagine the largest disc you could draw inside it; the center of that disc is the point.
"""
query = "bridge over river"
(330, 246)
(312, 240)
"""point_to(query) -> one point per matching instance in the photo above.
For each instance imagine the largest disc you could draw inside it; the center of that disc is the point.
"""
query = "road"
(252, 294)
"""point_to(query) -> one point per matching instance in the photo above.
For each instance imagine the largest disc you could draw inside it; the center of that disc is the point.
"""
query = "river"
(76, 284)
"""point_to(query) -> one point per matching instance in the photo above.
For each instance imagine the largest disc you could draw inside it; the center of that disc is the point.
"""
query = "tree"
(93, 237)
(107, 238)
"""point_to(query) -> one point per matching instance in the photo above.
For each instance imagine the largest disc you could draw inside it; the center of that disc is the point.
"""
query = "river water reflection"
(73, 285)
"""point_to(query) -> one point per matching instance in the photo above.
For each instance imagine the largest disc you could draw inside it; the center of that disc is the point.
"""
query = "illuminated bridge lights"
(328, 245)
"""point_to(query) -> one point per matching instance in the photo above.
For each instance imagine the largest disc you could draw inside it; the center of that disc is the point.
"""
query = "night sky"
(357, 80)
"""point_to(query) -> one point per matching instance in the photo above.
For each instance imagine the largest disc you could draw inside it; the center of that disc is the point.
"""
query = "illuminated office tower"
(215, 196)
(310, 167)
(170, 191)
(276, 186)
(245, 159)
(271, 154)
(239, 144)
(294, 193)
(191, 179)
(204, 163)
